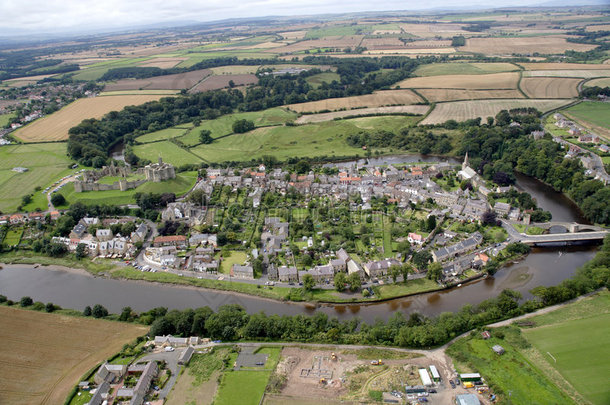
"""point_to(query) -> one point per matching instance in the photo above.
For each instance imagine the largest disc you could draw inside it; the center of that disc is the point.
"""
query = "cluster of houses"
(24, 218)
(103, 243)
(112, 374)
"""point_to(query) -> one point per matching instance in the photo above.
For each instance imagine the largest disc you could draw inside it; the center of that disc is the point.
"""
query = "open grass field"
(326, 77)
(436, 95)
(462, 68)
(139, 92)
(55, 127)
(408, 109)
(326, 138)
(245, 387)
(577, 337)
(593, 115)
(162, 63)
(221, 81)
(484, 81)
(335, 42)
(180, 185)
(169, 151)
(196, 57)
(168, 82)
(581, 73)
(511, 372)
(46, 163)
(464, 110)
(605, 82)
(42, 355)
(522, 45)
(5, 119)
(550, 87)
(12, 237)
(377, 99)
(162, 135)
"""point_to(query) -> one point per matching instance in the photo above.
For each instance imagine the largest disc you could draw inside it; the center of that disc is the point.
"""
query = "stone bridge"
(571, 227)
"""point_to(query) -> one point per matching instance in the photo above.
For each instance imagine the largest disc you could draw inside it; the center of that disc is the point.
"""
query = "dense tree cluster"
(593, 92)
(412, 139)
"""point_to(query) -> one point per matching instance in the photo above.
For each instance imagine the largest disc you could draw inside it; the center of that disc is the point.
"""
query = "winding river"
(76, 289)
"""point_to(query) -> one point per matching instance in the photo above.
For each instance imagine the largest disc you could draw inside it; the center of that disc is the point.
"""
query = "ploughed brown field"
(42, 356)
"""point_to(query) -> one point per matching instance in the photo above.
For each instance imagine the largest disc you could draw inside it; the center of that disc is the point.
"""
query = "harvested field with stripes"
(168, 82)
(582, 73)
(563, 66)
(436, 95)
(55, 127)
(522, 45)
(605, 82)
(465, 110)
(483, 82)
(550, 87)
(401, 109)
(377, 99)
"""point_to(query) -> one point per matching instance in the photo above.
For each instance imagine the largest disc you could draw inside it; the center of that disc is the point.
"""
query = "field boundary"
(519, 85)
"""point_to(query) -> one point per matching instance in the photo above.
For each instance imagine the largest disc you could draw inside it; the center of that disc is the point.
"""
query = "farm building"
(467, 399)
(498, 349)
(101, 393)
(186, 355)
(425, 377)
(415, 389)
(435, 375)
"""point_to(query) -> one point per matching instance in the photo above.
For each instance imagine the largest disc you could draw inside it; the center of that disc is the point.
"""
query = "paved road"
(171, 358)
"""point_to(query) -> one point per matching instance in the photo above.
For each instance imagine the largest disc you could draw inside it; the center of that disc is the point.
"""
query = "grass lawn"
(170, 152)
(162, 135)
(13, 237)
(81, 398)
(520, 227)
(5, 119)
(411, 287)
(578, 337)
(534, 230)
(46, 163)
(244, 387)
(594, 115)
(511, 372)
(180, 185)
(236, 257)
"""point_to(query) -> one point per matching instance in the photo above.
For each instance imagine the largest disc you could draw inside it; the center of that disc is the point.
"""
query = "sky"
(55, 16)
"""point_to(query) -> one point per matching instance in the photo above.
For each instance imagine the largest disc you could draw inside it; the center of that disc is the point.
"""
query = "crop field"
(401, 109)
(168, 82)
(593, 115)
(162, 63)
(409, 51)
(582, 73)
(43, 355)
(234, 70)
(340, 42)
(484, 82)
(180, 185)
(522, 45)
(46, 163)
(222, 81)
(436, 95)
(581, 360)
(382, 43)
(55, 127)
(605, 82)
(320, 139)
(464, 110)
(433, 30)
(167, 93)
(563, 66)
(550, 87)
(461, 68)
(377, 99)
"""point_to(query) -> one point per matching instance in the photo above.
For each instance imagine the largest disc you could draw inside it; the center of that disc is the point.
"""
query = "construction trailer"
(425, 377)
(470, 377)
(435, 375)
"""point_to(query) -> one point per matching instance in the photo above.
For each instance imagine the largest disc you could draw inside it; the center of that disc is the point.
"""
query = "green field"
(578, 338)
(236, 257)
(162, 135)
(13, 237)
(512, 373)
(5, 119)
(594, 112)
(439, 69)
(325, 77)
(97, 70)
(244, 387)
(180, 185)
(170, 152)
(46, 163)
(317, 33)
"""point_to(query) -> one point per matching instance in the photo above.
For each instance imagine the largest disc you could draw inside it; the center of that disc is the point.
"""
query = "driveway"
(171, 359)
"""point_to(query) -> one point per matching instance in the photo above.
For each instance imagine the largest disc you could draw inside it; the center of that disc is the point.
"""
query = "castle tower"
(465, 163)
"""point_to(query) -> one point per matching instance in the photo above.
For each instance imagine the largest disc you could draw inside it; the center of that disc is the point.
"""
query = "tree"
(99, 311)
(394, 272)
(87, 311)
(340, 281)
(26, 199)
(80, 251)
(430, 223)
(205, 136)
(405, 270)
(435, 271)
(308, 282)
(26, 301)
(421, 259)
(49, 307)
(489, 218)
(354, 282)
(58, 199)
(302, 166)
(125, 314)
(241, 126)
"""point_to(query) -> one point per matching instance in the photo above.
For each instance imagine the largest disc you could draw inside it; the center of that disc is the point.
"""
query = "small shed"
(186, 355)
(498, 349)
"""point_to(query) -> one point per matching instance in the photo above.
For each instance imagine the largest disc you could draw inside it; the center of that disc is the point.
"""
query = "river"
(544, 266)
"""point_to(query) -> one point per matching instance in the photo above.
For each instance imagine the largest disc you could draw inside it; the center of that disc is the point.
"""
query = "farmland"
(464, 110)
(582, 362)
(582, 73)
(550, 87)
(605, 82)
(402, 109)
(522, 45)
(436, 95)
(51, 352)
(593, 115)
(442, 69)
(377, 99)
(484, 81)
(55, 126)
(563, 66)
(222, 81)
(234, 70)
(168, 82)
(46, 163)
